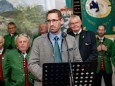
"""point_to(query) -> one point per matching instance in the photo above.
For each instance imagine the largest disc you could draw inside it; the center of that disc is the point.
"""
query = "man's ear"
(105, 31)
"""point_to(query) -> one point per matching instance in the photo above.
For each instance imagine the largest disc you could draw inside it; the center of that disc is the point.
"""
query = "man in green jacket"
(113, 61)
(9, 38)
(2, 59)
(104, 47)
(113, 54)
(15, 70)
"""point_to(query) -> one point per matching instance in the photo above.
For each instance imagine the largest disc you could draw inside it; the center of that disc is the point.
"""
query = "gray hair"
(74, 16)
(22, 34)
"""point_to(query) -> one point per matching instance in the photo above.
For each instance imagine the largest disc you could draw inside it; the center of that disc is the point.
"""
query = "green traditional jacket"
(113, 54)
(13, 72)
(106, 55)
(9, 41)
(4, 53)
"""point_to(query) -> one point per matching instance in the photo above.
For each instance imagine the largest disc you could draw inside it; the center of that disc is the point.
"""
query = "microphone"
(64, 35)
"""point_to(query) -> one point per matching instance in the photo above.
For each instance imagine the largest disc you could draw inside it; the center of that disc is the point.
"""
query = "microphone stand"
(70, 64)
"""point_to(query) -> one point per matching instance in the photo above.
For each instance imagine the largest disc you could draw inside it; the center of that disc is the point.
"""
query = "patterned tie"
(26, 72)
(102, 56)
(1, 73)
(57, 53)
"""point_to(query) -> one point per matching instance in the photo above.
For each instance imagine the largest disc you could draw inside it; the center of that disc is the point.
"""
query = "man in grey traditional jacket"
(44, 47)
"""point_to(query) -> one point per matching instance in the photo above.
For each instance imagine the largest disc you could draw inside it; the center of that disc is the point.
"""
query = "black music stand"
(57, 74)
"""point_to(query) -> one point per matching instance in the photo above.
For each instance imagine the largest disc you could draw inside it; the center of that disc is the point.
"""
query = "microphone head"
(64, 34)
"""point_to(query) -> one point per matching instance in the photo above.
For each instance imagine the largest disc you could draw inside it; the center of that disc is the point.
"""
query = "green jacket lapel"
(81, 38)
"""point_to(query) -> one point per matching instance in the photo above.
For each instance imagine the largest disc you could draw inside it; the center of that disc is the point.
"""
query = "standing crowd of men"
(21, 64)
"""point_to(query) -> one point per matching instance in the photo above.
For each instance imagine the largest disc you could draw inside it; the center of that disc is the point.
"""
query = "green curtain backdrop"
(69, 3)
(96, 13)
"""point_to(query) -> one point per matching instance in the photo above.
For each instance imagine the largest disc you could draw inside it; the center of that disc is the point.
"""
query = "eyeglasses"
(53, 21)
(73, 23)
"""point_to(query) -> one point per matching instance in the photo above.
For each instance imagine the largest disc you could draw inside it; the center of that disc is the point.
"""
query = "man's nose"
(22, 43)
(51, 22)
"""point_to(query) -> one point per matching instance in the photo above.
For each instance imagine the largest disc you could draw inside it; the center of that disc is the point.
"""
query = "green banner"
(96, 12)
(68, 3)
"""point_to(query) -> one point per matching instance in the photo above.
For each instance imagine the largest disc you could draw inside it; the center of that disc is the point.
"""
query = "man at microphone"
(104, 47)
(52, 47)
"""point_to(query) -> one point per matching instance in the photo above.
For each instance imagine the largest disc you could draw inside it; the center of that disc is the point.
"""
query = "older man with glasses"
(86, 40)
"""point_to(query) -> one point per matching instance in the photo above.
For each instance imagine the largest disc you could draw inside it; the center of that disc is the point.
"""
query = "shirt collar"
(1, 50)
(24, 54)
(52, 36)
(77, 32)
(11, 35)
(101, 37)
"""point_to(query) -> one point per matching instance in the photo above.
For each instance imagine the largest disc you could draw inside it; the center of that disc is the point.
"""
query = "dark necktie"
(1, 73)
(26, 72)
(57, 53)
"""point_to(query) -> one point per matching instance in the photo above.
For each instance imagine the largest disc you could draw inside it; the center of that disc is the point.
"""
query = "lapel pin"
(83, 37)
(86, 43)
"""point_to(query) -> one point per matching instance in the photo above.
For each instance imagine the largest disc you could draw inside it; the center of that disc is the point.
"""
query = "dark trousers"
(107, 78)
(2, 83)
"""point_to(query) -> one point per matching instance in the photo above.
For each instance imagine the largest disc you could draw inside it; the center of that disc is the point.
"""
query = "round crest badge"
(98, 8)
